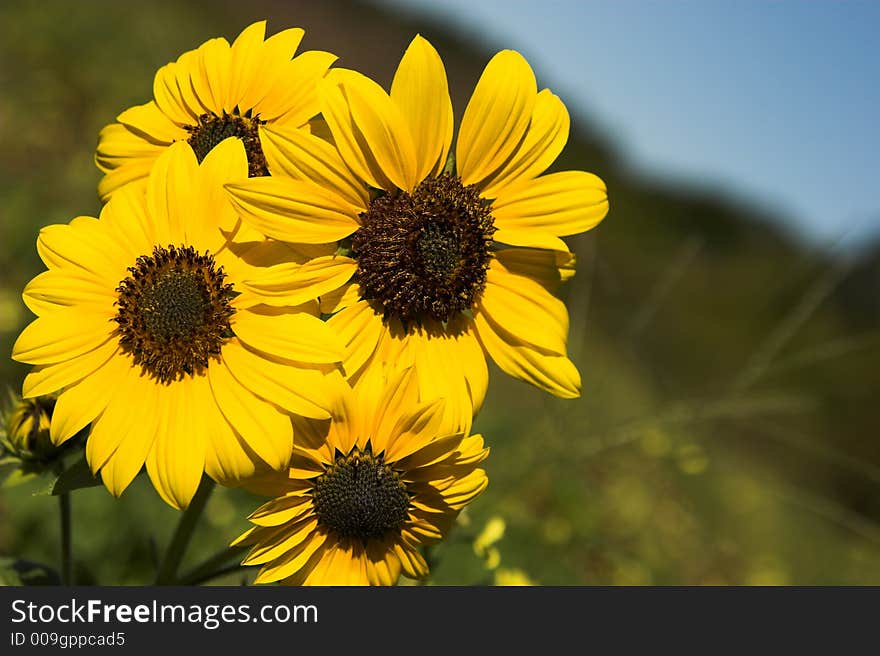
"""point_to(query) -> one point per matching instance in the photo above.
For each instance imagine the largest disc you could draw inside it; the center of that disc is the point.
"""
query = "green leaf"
(75, 477)
(24, 572)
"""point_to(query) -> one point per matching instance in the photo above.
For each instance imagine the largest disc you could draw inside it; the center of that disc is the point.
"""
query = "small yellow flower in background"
(512, 577)
(484, 544)
(213, 92)
(150, 329)
(364, 492)
(437, 269)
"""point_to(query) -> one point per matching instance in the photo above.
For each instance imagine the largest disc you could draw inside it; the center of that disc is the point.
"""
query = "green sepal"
(75, 477)
(450, 163)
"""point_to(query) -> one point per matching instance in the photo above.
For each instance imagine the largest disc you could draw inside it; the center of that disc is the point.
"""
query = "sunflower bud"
(27, 430)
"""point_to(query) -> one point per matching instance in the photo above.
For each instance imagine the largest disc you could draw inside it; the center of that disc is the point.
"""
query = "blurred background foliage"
(727, 432)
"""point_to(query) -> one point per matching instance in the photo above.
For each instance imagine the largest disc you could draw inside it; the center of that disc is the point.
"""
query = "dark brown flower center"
(424, 255)
(213, 129)
(174, 312)
(359, 496)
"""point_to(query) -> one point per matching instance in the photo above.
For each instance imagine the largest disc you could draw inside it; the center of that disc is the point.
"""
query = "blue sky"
(776, 101)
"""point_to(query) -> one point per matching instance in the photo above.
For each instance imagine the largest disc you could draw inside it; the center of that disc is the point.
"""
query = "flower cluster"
(294, 286)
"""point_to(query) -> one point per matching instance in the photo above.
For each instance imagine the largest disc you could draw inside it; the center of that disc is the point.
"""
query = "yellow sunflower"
(149, 326)
(211, 93)
(364, 492)
(441, 264)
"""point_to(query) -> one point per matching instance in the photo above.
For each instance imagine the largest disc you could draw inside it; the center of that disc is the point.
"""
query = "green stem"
(180, 540)
(214, 567)
(66, 559)
(209, 576)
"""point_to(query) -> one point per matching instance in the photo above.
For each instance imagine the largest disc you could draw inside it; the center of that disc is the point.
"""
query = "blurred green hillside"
(728, 429)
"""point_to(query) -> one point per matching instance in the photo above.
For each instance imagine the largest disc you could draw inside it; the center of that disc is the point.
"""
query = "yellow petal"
(360, 328)
(302, 391)
(267, 85)
(80, 403)
(291, 336)
(294, 210)
(84, 243)
(469, 354)
(383, 565)
(310, 435)
(262, 427)
(257, 251)
(292, 284)
(294, 560)
(245, 63)
(525, 309)
(187, 66)
(314, 571)
(71, 287)
(341, 566)
(543, 141)
(421, 92)
(118, 145)
(347, 429)
(471, 451)
(347, 136)
(212, 213)
(530, 239)
(62, 335)
(496, 116)
(51, 378)
(211, 80)
(126, 217)
(176, 460)
(299, 155)
(550, 268)
(399, 398)
(439, 355)
(564, 203)
(131, 174)
(168, 96)
(414, 565)
(99, 391)
(430, 452)
(465, 490)
(280, 511)
(554, 373)
(150, 122)
(133, 419)
(294, 97)
(169, 193)
(339, 298)
(423, 530)
(384, 129)
(274, 545)
(228, 459)
(414, 430)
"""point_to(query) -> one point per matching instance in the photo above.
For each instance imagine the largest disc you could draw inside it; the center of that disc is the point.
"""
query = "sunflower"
(149, 326)
(211, 93)
(364, 492)
(444, 260)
